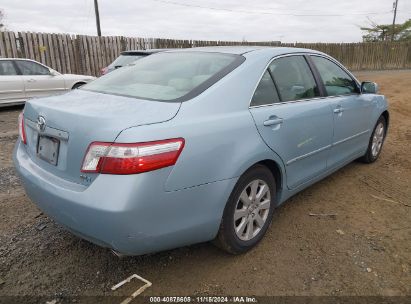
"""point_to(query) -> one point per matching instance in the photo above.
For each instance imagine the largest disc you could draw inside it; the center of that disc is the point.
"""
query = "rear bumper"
(132, 214)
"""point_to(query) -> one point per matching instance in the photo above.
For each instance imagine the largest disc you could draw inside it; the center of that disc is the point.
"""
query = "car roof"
(143, 52)
(240, 50)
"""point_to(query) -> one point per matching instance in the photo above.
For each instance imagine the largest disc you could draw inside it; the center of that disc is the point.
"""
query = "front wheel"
(248, 212)
(376, 142)
(77, 85)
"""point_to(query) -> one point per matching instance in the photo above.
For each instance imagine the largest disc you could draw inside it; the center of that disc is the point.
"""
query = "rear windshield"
(123, 60)
(174, 76)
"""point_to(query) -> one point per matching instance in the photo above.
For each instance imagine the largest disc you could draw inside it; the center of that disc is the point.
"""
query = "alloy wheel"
(378, 139)
(252, 210)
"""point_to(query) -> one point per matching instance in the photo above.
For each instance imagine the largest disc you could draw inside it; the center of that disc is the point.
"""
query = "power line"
(265, 12)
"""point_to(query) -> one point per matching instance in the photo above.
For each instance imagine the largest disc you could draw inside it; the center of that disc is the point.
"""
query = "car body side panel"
(351, 126)
(380, 105)
(71, 79)
(11, 89)
(303, 138)
(43, 85)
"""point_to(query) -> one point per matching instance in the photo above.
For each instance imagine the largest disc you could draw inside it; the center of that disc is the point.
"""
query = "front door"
(292, 120)
(38, 81)
(351, 111)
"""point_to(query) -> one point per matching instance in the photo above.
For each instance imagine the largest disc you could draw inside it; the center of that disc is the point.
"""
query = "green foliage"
(384, 32)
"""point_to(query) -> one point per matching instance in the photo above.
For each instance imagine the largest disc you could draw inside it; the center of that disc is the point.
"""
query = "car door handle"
(272, 121)
(338, 110)
(31, 80)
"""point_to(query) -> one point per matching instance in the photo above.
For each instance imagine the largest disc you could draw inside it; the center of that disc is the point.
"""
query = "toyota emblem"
(41, 123)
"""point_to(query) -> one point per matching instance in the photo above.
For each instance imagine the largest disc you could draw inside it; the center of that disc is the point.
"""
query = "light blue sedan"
(188, 146)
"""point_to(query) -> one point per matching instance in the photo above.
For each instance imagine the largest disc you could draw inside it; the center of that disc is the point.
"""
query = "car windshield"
(167, 76)
(125, 59)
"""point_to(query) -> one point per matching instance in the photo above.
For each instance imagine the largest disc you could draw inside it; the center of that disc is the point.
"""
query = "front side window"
(335, 79)
(7, 68)
(265, 93)
(167, 76)
(32, 68)
(293, 78)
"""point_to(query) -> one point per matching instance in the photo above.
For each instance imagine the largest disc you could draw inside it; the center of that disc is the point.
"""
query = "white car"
(21, 79)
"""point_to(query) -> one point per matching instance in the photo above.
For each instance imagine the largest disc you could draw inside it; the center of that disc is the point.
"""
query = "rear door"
(292, 119)
(11, 84)
(38, 81)
(351, 111)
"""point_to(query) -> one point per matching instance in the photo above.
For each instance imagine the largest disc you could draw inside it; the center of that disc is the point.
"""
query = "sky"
(257, 20)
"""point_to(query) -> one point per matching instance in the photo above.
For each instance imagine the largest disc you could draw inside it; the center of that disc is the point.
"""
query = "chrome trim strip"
(308, 99)
(48, 131)
(47, 90)
(265, 69)
(341, 66)
(11, 91)
(308, 154)
(324, 148)
(349, 138)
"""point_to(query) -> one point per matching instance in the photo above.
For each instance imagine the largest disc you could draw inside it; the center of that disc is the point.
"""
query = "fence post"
(78, 55)
(123, 43)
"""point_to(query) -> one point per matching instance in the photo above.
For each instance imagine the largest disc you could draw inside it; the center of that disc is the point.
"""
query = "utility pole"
(393, 21)
(98, 18)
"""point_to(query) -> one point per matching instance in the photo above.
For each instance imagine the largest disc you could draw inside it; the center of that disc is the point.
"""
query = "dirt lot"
(363, 250)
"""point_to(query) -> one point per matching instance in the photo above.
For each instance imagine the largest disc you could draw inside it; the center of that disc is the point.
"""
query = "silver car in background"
(127, 58)
(22, 79)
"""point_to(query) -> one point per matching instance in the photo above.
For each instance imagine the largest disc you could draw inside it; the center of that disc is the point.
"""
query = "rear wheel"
(248, 212)
(376, 142)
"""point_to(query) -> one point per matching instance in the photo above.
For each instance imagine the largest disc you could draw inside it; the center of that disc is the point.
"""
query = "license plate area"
(48, 149)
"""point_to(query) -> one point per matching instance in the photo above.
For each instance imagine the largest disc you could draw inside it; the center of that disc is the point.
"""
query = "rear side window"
(293, 78)
(7, 68)
(265, 93)
(335, 79)
(174, 76)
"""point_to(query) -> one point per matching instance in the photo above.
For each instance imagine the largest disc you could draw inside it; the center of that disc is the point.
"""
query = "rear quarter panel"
(221, 139)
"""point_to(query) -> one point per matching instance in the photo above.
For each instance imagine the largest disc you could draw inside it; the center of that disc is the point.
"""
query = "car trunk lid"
(74, 120)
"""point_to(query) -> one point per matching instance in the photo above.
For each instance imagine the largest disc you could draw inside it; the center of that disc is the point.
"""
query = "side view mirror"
(53, 72)
(368, 87)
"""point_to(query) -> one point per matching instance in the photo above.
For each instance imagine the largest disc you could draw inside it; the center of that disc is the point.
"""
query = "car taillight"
(22, 131)
(103, 71)
(118, 158)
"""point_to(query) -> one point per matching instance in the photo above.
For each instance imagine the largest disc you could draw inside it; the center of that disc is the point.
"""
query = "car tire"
(376, 141)
(77, 85)
(245, 211)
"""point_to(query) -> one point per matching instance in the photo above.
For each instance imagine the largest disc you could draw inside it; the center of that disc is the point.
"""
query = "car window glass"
(293, 78)
(167, 76)
(31, 68)
(335, 79)
(265, 93)
(123, 60)
(7, 68)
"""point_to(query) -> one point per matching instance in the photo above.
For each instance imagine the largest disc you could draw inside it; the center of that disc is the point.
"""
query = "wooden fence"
(79, 54)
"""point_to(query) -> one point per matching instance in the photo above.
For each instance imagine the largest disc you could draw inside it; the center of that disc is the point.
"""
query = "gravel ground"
(364, 250)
